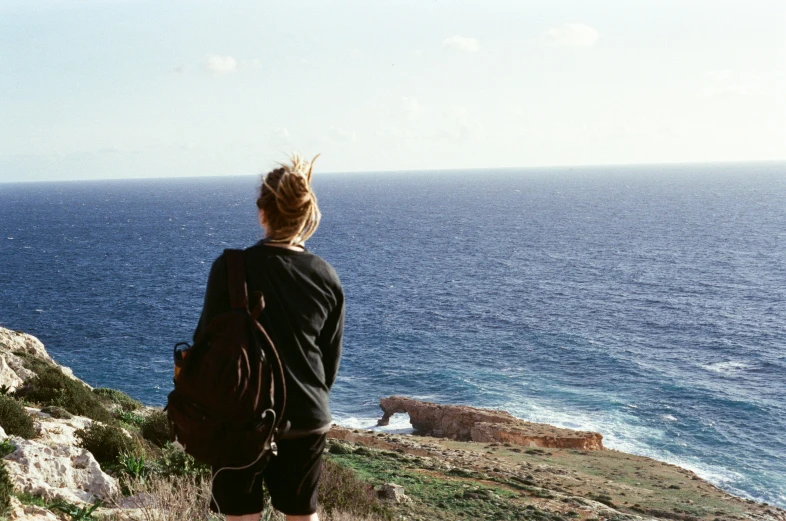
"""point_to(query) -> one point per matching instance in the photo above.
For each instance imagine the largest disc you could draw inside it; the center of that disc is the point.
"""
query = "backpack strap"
(236, 278)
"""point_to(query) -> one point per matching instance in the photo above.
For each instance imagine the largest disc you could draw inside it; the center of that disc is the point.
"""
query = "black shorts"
(291, 479)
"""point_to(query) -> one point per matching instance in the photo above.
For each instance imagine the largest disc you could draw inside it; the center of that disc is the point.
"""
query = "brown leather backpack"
(229, 398)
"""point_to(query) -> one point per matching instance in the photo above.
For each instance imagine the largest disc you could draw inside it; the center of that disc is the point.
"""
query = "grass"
(438, 495)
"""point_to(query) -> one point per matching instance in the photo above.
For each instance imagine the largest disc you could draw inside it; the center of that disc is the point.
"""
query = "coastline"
(483, 469)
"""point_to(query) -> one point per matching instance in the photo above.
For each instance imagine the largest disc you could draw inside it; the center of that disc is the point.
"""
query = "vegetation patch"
(119, 398)
(130, 418)
(175, 462)
(52, 387)
(438, 495)
(155, 428)
(14, 419)
(107, 442)
(6, 490)
(6, 448)
(57, 412)
(340, 490)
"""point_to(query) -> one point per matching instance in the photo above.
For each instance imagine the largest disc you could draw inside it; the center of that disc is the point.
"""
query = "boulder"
(57, 472)
(392, 492)
(464, 423)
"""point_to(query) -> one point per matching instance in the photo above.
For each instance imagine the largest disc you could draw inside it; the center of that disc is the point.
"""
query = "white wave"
(621, 431)
(669, 418)
(727, 368)
(399, 423)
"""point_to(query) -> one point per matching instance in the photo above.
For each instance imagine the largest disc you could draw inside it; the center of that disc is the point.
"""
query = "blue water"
(646, 303)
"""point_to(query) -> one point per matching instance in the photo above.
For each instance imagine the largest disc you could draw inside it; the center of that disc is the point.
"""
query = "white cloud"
(571, 35)
(218, 65)
(461, 43)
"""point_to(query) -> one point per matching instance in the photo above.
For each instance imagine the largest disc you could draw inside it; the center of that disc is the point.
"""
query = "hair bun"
(288, 202)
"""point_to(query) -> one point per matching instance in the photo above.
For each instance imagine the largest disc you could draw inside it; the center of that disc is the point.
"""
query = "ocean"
(647, 303)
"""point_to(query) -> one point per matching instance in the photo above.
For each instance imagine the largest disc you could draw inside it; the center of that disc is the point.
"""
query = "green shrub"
(6, 490)
(130, 418)
(14, 419)
(133, 465)
(118, 397)
(53, 387)
(155, 428)
(6, 448)
(341, 490)
(175, 462)
(107, 442)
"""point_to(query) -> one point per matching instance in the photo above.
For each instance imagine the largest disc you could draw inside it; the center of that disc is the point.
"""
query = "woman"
(304, 316)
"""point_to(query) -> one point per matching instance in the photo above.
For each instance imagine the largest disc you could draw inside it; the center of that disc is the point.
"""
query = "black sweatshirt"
(304, 316)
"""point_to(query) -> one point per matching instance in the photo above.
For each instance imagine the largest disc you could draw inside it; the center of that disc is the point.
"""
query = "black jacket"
(304, 316)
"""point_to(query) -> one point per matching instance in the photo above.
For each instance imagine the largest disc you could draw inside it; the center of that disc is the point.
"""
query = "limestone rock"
(537, 435)
(20, 512)
(392, 492)
(13, 373)
(57, 472)
(54, 431)
(11, 341)
(463, 423)
(8, 377)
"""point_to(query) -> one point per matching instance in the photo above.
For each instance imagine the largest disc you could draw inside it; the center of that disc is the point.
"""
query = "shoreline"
(498, 450)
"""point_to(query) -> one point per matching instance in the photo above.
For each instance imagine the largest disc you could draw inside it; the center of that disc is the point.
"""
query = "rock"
(57, 412)
(448, 421)
(537, 435)
(11, 341)
(463, 423)
(9, 379)
(20, 512)
(57, 472)
(392, 492)
(54, 431)
(13, 372)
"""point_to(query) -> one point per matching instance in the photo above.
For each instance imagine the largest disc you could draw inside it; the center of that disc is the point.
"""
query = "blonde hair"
(288, 202)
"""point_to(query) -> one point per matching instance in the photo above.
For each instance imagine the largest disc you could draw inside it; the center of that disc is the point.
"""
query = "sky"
(93, 89)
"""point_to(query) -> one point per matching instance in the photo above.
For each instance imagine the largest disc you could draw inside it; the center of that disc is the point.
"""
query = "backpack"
(229, 398)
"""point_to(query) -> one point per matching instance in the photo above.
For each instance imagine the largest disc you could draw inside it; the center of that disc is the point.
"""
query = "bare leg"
(312, 517)
(247, 517)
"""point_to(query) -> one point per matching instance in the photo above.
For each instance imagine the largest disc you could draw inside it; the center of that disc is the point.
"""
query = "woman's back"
(304, 306)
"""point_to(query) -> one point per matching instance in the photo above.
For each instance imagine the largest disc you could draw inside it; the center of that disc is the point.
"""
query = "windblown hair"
(288, 202)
